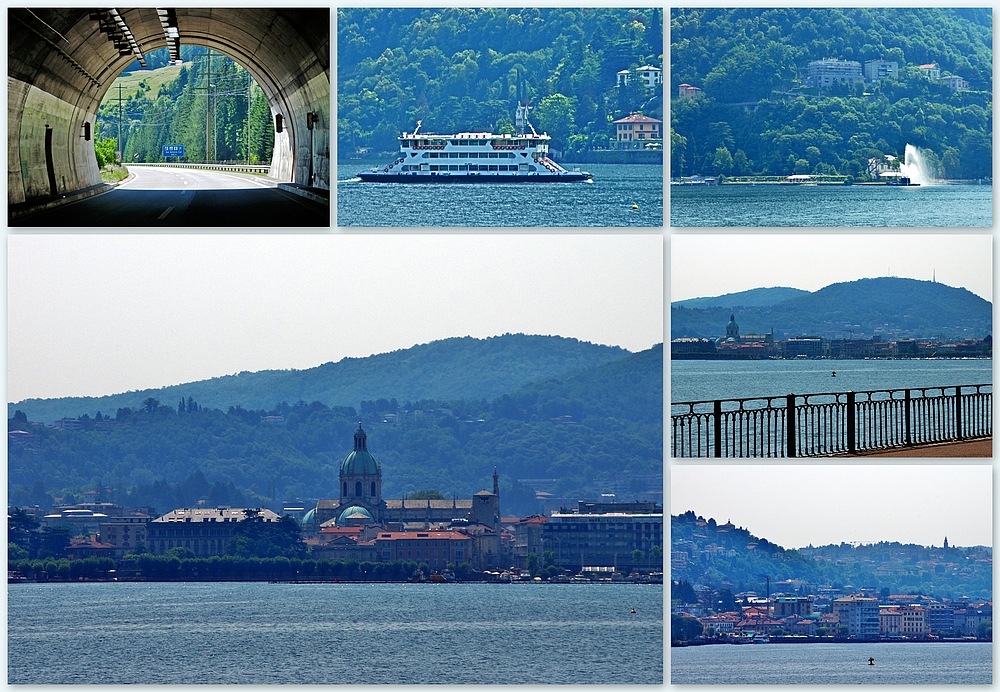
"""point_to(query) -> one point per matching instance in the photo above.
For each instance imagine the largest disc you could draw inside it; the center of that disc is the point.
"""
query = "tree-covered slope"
(755, 297)
(591, 430)
(863, 308)
(726, 556)
(756, 116)
(456, 368)
(465, 69)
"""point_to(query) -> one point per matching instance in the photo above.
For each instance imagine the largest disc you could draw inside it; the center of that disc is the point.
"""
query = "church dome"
(360, 462)
(355, 515)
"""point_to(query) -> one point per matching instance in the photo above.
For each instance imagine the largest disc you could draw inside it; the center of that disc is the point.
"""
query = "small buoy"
(834, 374)
(633, 611)
(871, 661)
(635, 206)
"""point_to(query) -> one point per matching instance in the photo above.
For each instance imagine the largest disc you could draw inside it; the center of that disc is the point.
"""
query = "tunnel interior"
(61, 63)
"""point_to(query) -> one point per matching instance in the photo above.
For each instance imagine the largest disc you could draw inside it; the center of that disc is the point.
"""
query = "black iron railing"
(807, 425)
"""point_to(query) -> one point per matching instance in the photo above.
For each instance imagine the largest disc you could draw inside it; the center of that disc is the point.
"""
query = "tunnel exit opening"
(62, 64)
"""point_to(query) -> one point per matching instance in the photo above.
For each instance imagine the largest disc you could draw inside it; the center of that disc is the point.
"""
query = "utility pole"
(249, 83)
(208, 110)
(119, 124)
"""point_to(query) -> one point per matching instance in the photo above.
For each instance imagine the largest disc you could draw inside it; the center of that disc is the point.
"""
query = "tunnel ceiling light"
(121, 36)
(168, 20)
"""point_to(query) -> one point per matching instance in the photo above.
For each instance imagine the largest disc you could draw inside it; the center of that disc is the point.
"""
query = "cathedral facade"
(361, 502)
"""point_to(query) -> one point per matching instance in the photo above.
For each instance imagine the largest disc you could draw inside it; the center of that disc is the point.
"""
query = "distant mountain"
(456, 368)
(755, 297)
(589, 430)
(726, 556)
(889, 306)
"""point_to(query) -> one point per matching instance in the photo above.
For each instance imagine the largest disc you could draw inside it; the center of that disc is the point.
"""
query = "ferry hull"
(380, 177)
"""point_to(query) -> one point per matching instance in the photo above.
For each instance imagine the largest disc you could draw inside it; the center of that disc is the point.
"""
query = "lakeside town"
(736, 346)
(359, 536)
(820, 603)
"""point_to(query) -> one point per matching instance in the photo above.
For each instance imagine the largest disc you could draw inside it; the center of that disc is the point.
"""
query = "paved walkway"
(981, 448)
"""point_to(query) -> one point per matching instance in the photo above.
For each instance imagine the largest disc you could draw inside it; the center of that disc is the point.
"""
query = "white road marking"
(164, 214)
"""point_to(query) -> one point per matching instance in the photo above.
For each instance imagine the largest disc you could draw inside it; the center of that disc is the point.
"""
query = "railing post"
(790, 422)
(852, 425)
(717, 412)
(908, 439)
(958, 413)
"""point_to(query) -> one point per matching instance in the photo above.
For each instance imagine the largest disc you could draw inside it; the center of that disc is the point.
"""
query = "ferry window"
(404, 145)
(463, 155)
(453, 168)
(493, 168)
(424, 155)
(494, 155)
(434, 168)
(456, 142)
(463, 167)
(453, 155)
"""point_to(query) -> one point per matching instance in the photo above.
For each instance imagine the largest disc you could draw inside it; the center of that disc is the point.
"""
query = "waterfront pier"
(831, 423)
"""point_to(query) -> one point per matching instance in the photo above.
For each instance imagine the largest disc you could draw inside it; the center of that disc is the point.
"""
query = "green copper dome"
(355, 514)
(360, 462)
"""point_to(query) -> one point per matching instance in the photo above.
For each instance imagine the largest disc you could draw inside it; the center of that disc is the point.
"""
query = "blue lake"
(260, 633)
(834, 664)
(704, 380)
(606, 202)
(831, 205)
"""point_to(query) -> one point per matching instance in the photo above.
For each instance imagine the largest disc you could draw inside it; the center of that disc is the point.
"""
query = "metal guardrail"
(808, 425)
(233, 167)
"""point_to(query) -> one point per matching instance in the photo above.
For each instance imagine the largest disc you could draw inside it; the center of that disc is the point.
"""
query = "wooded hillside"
(867, 306)
(465, 69)
(593, 428)
(756, 116)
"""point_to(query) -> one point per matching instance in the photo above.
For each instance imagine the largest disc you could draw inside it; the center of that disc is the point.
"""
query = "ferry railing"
(809, 425)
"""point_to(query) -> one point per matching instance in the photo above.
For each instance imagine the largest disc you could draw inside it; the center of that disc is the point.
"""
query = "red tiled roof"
(638, 118)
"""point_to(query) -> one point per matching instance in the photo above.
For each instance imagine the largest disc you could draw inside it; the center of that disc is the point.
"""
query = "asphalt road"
(172, 197)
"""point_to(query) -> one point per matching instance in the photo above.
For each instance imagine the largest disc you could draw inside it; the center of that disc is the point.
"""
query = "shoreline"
(830, 640)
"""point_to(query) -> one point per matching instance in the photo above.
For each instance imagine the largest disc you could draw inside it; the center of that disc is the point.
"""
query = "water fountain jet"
(915, 167)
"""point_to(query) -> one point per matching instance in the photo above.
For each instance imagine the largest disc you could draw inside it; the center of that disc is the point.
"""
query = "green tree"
(723, 162)
(104, 150)
(684, 628)
(555, 115)
(741, 165)
(531, 564)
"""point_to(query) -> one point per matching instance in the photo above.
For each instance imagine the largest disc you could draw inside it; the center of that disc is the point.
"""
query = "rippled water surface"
(834, 664)
(831, 205)
(259, 633)
(607, 201)
(704, 380)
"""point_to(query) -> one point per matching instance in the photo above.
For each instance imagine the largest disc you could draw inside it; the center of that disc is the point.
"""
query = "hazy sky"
(709, 264)
(101, 314)
(795, 505)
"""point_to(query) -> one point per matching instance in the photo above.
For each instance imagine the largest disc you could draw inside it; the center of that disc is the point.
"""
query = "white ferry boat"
(473, 157)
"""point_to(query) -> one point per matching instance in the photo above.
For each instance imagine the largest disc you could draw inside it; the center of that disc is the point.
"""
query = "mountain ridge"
(480, 368)
(862, 308)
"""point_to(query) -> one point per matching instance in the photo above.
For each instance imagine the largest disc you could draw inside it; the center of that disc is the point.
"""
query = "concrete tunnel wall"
(60, 66)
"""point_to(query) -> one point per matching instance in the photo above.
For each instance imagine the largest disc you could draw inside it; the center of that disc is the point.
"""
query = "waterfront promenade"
(981, 448)
(914, 422)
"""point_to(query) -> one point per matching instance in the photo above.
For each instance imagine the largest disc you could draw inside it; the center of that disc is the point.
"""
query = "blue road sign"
(173, 150)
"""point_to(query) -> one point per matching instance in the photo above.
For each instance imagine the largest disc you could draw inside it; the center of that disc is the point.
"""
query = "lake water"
(607, 201)
(260, 633)
(831, 205)
(704, 380)
(834, 664)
